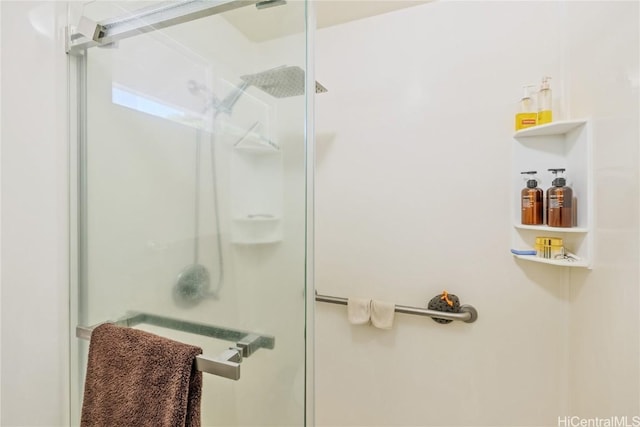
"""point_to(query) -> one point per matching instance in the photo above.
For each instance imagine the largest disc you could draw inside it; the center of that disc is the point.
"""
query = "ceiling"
(275, 22)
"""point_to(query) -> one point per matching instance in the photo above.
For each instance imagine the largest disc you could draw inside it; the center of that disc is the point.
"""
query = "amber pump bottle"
(531, 199)
(559, 202)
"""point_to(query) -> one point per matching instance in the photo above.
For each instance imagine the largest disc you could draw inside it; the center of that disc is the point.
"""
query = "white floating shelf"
(254, 142)
(553, 128)
(546, 228)
(256, 229)
(256, 242)
(559, 262)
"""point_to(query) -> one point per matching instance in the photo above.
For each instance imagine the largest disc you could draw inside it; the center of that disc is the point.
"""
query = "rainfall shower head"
(281, 82)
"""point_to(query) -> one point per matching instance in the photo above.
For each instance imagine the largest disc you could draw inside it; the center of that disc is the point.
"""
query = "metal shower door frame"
(77, 101)
(89, 33)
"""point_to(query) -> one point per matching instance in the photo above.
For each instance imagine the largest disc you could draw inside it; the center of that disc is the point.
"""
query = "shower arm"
(226, 105)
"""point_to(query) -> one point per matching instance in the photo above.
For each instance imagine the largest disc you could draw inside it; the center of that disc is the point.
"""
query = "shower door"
(191, 195)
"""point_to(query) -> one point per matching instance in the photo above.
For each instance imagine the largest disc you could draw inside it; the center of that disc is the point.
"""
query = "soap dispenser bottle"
(544, 102)
(559, 202)
(527, 115)
(531, 201)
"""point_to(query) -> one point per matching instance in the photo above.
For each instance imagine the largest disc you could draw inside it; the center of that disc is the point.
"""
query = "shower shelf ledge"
(255, 230)
(257, 150)
(257, 219)
(552, 229)
(251, 242)
(561, 263)
(253, 142)
(554, 128)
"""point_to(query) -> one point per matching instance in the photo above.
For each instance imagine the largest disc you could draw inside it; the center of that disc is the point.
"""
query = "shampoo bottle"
(527, 115)
(531, 201)
(559, 202)
(544, 102)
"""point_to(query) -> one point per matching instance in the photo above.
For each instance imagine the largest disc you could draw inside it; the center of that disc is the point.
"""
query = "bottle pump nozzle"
(531, 179)
(527, 91)
(545, 83)
(558, 181)
(527, 101)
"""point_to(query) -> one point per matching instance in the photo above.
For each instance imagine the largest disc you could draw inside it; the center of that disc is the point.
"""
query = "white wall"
(0, 219)
(413, 196)
(34, 215)
(604, 70)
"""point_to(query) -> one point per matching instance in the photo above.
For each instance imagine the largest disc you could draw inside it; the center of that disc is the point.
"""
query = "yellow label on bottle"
(545, 117)
(526, 120)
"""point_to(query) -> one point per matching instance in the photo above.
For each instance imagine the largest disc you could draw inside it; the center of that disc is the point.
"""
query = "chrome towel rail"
(226, 364)
(468, 313)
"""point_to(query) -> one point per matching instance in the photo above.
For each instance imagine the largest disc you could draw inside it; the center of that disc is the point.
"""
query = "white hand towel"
(382, 314)
(358, 311)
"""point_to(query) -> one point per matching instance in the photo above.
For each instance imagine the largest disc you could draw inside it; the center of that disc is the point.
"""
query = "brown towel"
(135, 378)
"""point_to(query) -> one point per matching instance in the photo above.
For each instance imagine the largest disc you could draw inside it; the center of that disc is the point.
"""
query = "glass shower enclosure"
(190, 192)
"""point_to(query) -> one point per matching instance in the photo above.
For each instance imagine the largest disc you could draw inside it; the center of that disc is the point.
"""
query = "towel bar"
(468, 313)
(225, 365)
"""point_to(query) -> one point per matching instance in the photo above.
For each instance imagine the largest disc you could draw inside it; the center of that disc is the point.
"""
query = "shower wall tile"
(413, 191)
(413, 194)
(34, 350)
(605, 347)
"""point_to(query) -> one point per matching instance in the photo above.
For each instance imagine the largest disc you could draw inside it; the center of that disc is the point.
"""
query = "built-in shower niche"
(256, 189)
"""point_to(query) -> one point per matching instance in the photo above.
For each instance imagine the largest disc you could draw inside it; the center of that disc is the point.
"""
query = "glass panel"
(195, 200)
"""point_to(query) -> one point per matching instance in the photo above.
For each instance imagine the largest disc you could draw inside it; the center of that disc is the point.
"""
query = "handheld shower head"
(199, 89)
(193, 87)
(196, 88)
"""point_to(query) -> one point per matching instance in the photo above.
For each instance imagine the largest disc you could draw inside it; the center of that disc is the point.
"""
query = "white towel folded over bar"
(382, 314)
(359, 311)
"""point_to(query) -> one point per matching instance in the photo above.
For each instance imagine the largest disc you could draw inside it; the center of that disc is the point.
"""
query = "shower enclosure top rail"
(225, 365)
(468, 313)
(89, 33)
